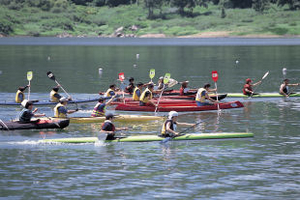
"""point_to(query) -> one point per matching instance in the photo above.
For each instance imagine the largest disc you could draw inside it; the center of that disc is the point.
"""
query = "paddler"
(54, 96)
(26, 114)
(109, 128)
(130, 88)
(247, 89)
(147, 95)
(202, 95)
(100, 108)
(170, 125)
(160, 83)
(20, 96)
(60, 110)
(184, 90)
(137, 91)
(284, 87)
(111, 91)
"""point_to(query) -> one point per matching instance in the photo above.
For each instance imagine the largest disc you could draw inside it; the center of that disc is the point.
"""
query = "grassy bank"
(103, 21)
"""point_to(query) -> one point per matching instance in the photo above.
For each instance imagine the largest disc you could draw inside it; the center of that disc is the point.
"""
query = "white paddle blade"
(29, 75)
(266, 74)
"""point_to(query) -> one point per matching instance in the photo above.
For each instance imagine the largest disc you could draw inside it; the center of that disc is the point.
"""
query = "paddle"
(122, 78)
(29, 77)
(264, 76)
(4, 125)
(52, 77)
(167, 139)
(172, 82)
(152, 74)
(215, 77)
(166, 80)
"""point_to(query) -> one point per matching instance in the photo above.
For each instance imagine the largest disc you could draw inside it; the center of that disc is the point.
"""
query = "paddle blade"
(51, 76)
(29, 75)
(121, 76)
(214, 76)
(167, 78)
(172, 82)
(167, 139)
(266, 74)
(152, 73)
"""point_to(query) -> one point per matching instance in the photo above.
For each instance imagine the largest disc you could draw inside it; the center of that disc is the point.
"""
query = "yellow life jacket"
(135, 97)
(56, 113)
(199, 96)
(17, 99)
(52, 97)
(172, 126)
(145, 99)
(107, 93)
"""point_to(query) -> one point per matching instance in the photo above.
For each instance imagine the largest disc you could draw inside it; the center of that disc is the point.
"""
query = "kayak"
(151, 138)
(261, 95)
(39, 124)
(45, 102)
(179, 108)
(191, 97)
(118, 118)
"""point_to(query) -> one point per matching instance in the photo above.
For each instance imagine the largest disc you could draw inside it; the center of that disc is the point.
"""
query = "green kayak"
(150, 138)
(261, 95)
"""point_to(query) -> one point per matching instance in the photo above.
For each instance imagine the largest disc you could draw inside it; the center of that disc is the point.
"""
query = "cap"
(173, 114)
(24, 102)
(63, 99)
(109, 115)
(161, 77)
(248, 80)
(140, 84)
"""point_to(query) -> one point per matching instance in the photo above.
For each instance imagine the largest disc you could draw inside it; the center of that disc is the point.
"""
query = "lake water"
(264, 167)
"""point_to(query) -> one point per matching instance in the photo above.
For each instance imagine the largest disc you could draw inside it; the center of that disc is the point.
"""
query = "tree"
(189, 4)
(293, 4)
(260, 5)
(151, 5)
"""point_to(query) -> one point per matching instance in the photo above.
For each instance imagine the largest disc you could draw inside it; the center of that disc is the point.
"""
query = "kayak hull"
(45, 103)
(180, 108)
(261, 95)
(151, 138)
(118, 118)
(41, 124)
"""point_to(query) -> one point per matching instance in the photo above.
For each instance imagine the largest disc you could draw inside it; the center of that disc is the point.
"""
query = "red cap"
(248, 80)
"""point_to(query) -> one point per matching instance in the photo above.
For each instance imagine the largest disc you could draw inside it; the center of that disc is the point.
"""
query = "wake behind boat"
(151, 138)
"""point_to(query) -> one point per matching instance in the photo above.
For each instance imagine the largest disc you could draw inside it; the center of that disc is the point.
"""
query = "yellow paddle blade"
(152, 73)
(167, 78)
(29, 75)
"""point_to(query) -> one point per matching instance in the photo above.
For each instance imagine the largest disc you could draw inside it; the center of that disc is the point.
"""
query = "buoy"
(48, 58)
(236, 62)
(137, 56)
(100, 70)
(134, 65)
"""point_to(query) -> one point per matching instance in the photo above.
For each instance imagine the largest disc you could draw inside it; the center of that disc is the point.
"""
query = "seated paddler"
(27, 113)
(170, 125)
(20, 96)
(109, 128)
(100, 108)
(202, 96)
(54, 95)
(60, 110)
(111, 91)
(137, 91)
(147, 96)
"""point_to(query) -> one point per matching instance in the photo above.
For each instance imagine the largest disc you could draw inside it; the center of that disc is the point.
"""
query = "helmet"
(248, 80)
(173, 114)
(63, 99)
(109, 116)
(160, 78)
(24, 102)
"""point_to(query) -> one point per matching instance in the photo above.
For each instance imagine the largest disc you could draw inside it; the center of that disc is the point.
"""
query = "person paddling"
(20, 96)
(284, 87)
(147, 95)
(54, 95)
(60, 110)
(184, 90)
(109, 128)
(247, 89)
(202, 96)
(137, 91)
(130, 88)
(111, 91)
(26, 114)
(170, 125)
(100, 108)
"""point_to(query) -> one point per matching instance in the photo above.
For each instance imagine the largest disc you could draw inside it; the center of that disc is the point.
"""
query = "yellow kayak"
(118, 118)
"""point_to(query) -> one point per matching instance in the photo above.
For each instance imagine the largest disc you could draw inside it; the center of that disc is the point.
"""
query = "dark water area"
(263, 167)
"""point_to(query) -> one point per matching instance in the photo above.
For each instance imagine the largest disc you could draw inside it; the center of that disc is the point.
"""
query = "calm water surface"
(264, 167)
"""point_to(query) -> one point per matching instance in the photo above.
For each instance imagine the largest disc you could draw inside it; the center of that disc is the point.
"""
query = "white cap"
(63, 99)
(24, 102)
(173, 114)
(161, 77)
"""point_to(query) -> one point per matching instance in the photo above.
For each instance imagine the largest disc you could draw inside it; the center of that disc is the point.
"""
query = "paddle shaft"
(218, 105)
(160, 95)
(266, 74)
(62, 88)
(29, 90)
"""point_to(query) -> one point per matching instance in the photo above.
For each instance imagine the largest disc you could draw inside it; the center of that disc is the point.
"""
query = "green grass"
(103, 21)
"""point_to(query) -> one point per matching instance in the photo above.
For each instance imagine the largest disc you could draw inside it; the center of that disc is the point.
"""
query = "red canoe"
(179, 108)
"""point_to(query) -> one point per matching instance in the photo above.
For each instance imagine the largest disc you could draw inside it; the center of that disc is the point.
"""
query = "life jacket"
(17, 99)
(56, 113)
(199, 96)
(25, 117)
(135, 97)
(99, 111)
(107, 93)
(247, 86)
(111, 125)
(181, 91)
(52, 97)
(286, 90)
(172, 126)
(145, 99)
